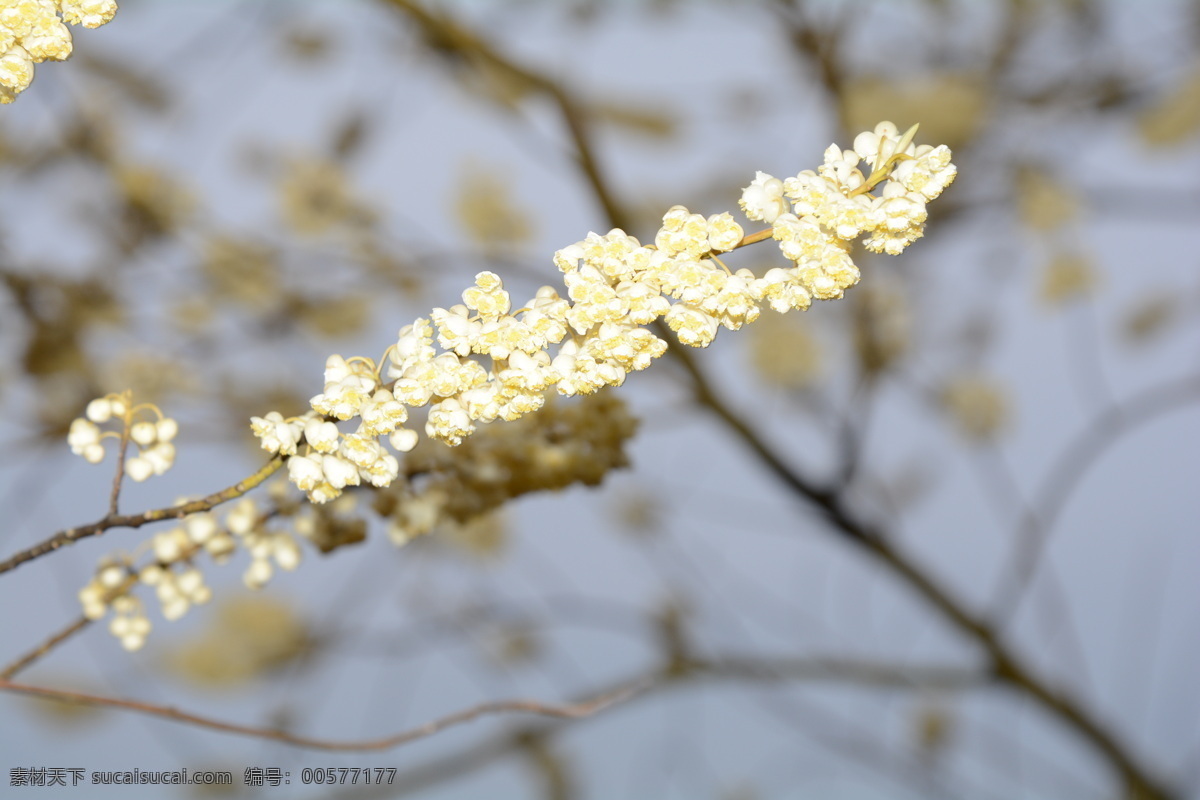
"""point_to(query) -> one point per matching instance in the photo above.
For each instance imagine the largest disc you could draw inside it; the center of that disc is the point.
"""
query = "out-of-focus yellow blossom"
(1176, 117)
(1150, 316)
(1066, 277)
(241, 270)
(330, 526)
(882, 327)
(193, 314)
(32, 31)
(978, 406)
(248, 637)
(785, 351)
(489, 358)
(1043, 202)
(512, 644)
(950, 106)
(129, 624)
(151, 376)
(487, 212)
(156, 201)
(332, 316)
(484, 537)
(316, 197)
(639, 511)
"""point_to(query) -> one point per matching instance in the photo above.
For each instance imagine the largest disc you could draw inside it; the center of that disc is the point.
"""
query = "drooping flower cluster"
(153, 437)
(480, 361)
(563, 444)
(33, 30)
(173, 573)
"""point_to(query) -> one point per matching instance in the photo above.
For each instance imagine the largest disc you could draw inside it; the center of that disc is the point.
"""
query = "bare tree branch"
(1103, 432)
(45, 647)
(577, 710)
(72, 535)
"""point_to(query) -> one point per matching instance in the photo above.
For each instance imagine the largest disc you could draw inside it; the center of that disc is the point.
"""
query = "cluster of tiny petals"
(762, 200)
(490, 358)
(321, 459)
(348, 385)
(32, 31)
(153, 437)
(276, 434)
(174, 573)
(887, 204)
(268, 549)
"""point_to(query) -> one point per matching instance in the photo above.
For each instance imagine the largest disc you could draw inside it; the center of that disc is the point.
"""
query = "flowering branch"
(829, 499)
(481, 361)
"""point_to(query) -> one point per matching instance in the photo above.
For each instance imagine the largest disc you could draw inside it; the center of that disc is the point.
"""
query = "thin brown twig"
(446, 35)
(119, 475)
(72, 535)
(583, 708)
(54, 640)
(841, 670)
(45, 647)
(721, 668)
(1105, 430)
(736, 668)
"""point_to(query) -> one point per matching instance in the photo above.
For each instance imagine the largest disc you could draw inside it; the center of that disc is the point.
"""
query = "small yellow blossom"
(978, 406)
(1044, 203)
(32, 31)
(1176, 117)
(1066, 277)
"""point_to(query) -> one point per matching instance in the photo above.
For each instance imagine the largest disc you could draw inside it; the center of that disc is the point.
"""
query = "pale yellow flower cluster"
(34, 30)
(173, 573)
(481, 360)
(153, 437)
(833, 205)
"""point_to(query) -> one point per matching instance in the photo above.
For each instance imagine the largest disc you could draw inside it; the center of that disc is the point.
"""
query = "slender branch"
(72, 535)
(583, 708)
(119, 476)
(821, 46)
(54, 640)
(1104, 431)
(517, 738)
(735, 668)
(45, 647)
(996, 479)
(1138, 780)
(852, 432)
(448, 36)
(840, 670)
